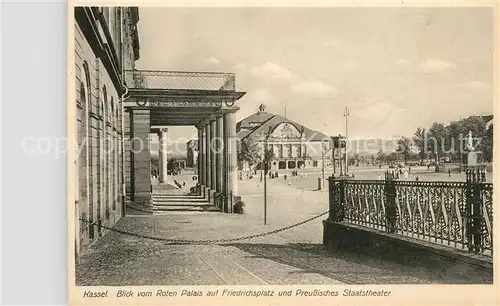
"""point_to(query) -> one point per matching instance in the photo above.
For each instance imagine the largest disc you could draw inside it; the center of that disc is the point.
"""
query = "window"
(282, 165)
(114, 157)
(86, 85)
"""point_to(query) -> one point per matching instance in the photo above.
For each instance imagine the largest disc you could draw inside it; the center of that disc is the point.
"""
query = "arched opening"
(117, 156)
(282, 165)
(113, 155)
(104, 158)
(86, 210)
(300, 164)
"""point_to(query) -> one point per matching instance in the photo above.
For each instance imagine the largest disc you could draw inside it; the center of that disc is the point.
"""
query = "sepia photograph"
(262, 146)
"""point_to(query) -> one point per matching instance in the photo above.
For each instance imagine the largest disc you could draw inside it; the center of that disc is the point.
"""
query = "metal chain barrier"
(214, 241)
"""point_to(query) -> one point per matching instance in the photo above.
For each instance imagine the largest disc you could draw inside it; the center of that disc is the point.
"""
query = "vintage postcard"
(280, 153)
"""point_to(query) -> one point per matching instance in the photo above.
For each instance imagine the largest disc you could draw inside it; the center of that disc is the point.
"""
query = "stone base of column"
(227, 204)
(212, 196)
(208, 194)
(218, 200)
(143, 198)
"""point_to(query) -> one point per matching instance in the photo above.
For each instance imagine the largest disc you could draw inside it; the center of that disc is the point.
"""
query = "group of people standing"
(400, 173)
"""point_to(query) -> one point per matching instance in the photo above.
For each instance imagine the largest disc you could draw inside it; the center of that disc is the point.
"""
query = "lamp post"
(332, 139)
(265, 170)
(264, 166)
(323, 151)
(346, 115)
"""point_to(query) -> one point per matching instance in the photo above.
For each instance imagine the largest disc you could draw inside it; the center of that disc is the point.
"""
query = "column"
(203, 158)
(208, 168)
(159, 157)
(199, 162)
(213, 161)
(141, 159)
(231, 158)
(163, 155)
(219, 184)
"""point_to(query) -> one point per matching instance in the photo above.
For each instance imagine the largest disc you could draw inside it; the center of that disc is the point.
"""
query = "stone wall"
(99, 126)
(453, 265)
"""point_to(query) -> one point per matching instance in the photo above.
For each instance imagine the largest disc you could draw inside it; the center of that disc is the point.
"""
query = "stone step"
(181, 202)
(179, 199)
(185, 208)
(206, 204)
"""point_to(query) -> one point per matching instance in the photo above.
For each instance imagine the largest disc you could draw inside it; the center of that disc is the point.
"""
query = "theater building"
(294, 146)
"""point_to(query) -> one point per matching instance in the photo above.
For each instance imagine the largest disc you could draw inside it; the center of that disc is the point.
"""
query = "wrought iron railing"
(455, 214)
(148, 79)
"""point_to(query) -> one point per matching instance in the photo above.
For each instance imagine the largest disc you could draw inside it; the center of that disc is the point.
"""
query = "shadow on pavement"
(350, 268)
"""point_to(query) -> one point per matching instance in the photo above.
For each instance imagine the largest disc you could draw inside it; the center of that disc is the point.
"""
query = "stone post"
(474, 209)
(163, 158)
(390, 203)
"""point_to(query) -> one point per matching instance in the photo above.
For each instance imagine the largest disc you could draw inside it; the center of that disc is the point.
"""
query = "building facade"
(106, 44)
(294, 146)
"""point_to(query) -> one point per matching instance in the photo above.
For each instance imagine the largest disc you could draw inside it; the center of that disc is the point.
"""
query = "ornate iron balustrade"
(148, 79)
(455, 214)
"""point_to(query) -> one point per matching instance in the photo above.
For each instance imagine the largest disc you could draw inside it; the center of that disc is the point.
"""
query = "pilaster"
(141, 158)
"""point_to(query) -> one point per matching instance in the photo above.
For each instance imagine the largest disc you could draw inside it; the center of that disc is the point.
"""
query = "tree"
(450, 139)
(487, 144)
(248, 151)
(437, 139)
(392, 157)
(419, 138)
(173, 165)
(404, 147)
(381, 156)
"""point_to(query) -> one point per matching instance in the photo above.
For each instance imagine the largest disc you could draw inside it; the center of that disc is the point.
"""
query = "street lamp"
(264, 169)
(324, 149)
(346, 115)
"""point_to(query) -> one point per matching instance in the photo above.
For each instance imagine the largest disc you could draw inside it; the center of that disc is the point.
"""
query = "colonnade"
(217, 159)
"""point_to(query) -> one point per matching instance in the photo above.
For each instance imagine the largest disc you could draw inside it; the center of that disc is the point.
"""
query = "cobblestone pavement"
(295, 256)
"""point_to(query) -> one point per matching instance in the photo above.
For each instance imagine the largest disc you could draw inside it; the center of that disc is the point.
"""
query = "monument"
(472, 157)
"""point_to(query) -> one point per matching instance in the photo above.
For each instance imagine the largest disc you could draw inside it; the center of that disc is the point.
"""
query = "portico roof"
(180, 98)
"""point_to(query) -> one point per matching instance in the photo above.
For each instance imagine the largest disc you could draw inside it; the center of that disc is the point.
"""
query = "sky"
(396, 69)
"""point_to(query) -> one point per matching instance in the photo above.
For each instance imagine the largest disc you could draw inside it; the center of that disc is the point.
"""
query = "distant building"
(294, 145)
